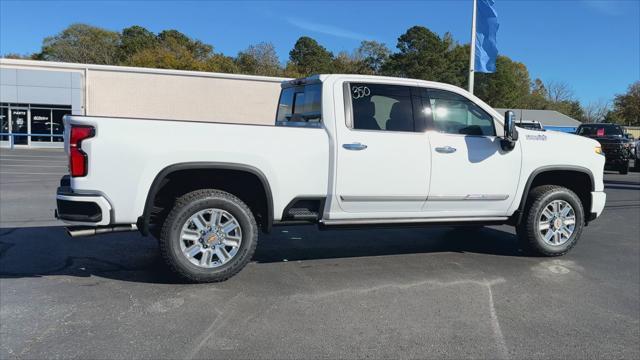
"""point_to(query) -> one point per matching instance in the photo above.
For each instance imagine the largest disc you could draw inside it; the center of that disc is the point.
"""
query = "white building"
(35, 95)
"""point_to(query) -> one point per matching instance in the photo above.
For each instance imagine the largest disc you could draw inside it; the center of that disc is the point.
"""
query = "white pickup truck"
(347, 150)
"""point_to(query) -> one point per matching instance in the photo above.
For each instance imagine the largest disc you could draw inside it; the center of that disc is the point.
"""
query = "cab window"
(381, 107)
(300, 106)
(454, 114)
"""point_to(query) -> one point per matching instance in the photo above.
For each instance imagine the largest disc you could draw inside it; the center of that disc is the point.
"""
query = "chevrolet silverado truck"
(345, 151)
(618, 149)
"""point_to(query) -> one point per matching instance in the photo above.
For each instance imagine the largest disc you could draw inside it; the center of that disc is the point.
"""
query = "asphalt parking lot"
(397, 293)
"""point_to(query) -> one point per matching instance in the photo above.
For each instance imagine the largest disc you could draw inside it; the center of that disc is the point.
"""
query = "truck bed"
(126, 154)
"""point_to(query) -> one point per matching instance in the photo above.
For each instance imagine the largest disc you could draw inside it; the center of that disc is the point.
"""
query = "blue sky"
(592, 45)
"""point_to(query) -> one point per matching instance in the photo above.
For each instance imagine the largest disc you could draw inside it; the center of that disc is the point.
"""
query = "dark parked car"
(617, 147)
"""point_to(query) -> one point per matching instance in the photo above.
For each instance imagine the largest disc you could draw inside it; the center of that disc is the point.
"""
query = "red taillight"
(77, 157)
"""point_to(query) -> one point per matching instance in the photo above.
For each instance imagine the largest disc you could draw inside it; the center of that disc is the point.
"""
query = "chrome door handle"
(446, 149)
(354, 146)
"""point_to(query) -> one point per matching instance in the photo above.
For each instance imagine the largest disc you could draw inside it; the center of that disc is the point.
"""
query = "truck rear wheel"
(208, 236)
(552, 222)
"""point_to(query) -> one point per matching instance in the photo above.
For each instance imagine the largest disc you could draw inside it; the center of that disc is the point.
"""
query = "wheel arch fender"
(541, 171)
(158, 182)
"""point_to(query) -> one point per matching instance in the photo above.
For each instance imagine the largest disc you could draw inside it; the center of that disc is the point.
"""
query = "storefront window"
(19, 125)
(4, 123)
(58, 126)
(41, 124)
(44, 120)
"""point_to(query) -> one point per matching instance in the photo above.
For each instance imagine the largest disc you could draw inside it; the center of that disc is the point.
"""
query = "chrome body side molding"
(365, 198)
(469, 197)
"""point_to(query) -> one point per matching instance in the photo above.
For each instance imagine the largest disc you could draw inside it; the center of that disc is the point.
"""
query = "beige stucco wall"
(148, 95)
(165, 94)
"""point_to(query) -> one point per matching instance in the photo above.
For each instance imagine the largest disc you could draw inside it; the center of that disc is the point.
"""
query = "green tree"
(221, 63)
(422, 54)
(537, 99)
(174, 50)
(308, 57)
(135, 39)
(457, 71)
(346, 63)
(81, 43)
(259, 59)
(626, 107)
(20, 57)
(508, 87)
(179, 42)
(372, 56)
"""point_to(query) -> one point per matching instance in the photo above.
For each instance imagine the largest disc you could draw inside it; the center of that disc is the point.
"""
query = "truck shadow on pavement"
(49, 251)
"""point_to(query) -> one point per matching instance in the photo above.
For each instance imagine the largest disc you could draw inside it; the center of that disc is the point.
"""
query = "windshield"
(600, 130)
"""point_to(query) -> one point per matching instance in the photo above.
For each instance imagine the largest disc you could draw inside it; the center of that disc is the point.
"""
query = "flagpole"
(473, 47)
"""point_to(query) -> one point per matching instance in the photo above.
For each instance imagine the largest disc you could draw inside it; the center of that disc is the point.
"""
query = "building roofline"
(19, 63)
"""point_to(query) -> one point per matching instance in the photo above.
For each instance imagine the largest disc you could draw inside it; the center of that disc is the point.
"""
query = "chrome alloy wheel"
(210, 238)
(557, 222)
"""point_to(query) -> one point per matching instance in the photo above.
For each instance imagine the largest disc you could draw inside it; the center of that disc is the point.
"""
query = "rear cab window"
(380, 107)
(300, 106)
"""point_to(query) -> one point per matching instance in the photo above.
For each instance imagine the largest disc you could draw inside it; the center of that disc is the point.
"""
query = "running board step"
(412, 220)
(78, 231)
(302, 214)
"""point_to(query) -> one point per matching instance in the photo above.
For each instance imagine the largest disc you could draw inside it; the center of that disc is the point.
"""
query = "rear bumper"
(81, 209)
(598, 200)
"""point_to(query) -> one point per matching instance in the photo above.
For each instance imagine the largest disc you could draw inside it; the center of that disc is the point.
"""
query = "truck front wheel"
(208, 236)
(552, 222)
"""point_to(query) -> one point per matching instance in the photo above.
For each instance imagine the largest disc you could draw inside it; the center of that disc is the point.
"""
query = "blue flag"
(486, 29)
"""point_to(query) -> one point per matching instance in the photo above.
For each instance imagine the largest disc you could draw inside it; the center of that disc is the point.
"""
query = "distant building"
(550, 119)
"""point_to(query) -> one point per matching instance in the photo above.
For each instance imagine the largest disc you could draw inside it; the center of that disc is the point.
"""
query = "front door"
(472, 175)
(20, 125)
(383, 160)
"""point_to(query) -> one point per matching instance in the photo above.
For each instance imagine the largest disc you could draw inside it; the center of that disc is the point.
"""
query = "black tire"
(527, 230)
(624, 169)
(184, 208)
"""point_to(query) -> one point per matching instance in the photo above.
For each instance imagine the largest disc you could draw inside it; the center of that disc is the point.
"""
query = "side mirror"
(510, 132)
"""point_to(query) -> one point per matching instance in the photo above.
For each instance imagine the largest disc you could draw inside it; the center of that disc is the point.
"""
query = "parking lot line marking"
(32, 165)
(495, 325)
(35, 165)
(33, 156)
(3, 173)
(33, 160)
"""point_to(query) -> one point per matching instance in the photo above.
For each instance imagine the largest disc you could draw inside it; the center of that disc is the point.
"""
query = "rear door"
(383, 161)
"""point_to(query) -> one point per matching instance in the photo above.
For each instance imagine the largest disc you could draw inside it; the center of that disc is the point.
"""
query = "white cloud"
(607, 7)
(328, 29)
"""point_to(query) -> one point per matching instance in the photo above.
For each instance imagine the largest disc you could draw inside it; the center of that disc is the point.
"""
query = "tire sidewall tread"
(185, 207)
(527, 230)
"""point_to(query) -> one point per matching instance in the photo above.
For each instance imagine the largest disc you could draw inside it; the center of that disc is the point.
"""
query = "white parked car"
(347, 150)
